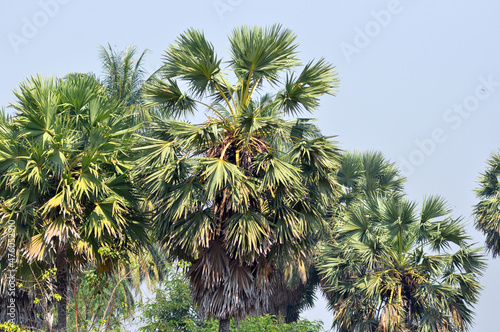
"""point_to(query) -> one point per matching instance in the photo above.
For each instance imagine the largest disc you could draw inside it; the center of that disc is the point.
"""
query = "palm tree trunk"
(224, 325)
(62, 286)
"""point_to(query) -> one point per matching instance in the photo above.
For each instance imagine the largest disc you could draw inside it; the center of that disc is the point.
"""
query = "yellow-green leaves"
(217, 174)
(248, 233)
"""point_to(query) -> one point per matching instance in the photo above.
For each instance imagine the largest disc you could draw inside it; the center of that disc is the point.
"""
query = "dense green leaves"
(73, 144)
(258, 53)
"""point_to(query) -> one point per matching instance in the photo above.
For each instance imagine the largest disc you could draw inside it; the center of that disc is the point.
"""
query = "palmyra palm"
(246, 189)
(65, 161)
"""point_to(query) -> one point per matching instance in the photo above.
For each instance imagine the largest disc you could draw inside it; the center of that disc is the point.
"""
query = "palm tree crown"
(237, 193)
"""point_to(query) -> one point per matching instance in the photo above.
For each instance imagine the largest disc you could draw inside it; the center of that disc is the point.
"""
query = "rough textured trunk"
(62, 287)
(20, 309)
(224, 325)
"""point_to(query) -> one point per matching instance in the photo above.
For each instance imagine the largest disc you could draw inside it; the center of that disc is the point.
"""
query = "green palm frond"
(302, 93)
(168, 95)
(261, 54)
(193, 60)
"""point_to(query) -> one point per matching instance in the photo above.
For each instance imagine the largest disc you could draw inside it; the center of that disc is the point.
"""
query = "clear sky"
(420, 80)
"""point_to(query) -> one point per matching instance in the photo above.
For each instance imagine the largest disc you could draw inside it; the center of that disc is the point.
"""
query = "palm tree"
(67, 173)
(398, 269)
(246, 189)
(360, 175)
(487, 216)
(123, 73)
(124, 77)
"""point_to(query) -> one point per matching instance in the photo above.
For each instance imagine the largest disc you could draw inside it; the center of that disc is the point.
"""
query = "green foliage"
(366, 174)
(486, 212)
(123, 78)
(9, 327)
(97, 304)
(172, 308)
(265, 323)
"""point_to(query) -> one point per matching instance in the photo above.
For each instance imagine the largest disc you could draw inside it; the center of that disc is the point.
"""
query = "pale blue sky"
(422, 86)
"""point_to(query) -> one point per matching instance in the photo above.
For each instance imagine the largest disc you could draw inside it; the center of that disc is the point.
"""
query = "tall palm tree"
(123, 73)
(487, 216)
(395, 268)
(123, 76)
(360, 175)
(246, 189)
(67, 174)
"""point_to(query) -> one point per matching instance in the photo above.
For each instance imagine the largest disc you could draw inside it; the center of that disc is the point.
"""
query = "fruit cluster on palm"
(247, 188)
